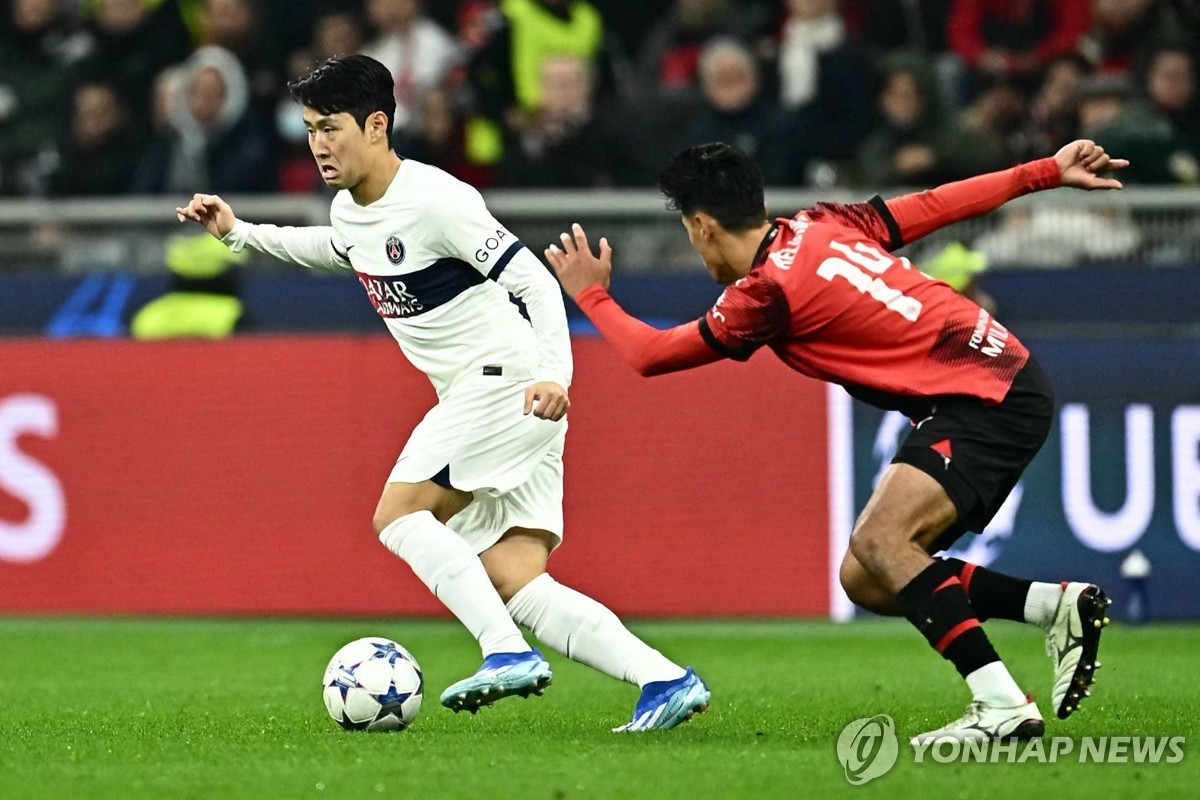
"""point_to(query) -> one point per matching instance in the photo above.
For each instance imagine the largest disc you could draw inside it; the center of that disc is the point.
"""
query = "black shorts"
(977, 451)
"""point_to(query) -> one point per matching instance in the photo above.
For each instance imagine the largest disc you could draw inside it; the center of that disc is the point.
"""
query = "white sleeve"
(473, 235)
(313, 246)
(527, 278)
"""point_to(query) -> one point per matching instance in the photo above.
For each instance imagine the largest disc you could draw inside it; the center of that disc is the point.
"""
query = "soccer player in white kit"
(474, 502)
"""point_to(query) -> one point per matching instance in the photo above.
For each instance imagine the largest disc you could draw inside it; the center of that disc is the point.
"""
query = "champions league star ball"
(373, 684)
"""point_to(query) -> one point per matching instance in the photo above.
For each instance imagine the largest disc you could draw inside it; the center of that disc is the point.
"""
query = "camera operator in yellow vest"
(203, 299)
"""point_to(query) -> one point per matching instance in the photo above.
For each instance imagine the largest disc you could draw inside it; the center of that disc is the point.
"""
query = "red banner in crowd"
(241, 477)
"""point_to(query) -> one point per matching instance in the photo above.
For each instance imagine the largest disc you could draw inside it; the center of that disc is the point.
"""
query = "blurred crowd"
(104, 97)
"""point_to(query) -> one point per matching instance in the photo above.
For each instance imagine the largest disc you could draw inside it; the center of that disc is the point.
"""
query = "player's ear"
(377, 123)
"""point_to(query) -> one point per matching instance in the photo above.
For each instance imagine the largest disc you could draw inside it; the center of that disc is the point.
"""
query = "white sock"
(1041, 604)
(993, 685)
(455, 575)
(586, 631)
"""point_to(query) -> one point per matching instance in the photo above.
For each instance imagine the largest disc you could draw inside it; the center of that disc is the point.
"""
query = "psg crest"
(395, 249)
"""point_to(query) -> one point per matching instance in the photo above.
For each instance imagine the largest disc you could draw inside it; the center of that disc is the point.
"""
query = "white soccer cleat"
(502, 675)
(1072, 643)
(985, 721)
(665, 704)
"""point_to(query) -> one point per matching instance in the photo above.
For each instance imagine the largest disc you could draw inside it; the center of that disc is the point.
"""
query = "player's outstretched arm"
(311, 246)
(1081, 164)
(585, 278)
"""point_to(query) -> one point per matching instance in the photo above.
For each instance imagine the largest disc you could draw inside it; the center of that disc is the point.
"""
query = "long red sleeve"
(922, 213)
(647, 349)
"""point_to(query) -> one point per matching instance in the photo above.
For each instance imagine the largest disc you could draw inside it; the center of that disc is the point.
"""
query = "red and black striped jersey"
(827, 296)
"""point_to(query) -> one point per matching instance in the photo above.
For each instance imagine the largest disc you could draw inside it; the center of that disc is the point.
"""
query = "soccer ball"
(373, 684)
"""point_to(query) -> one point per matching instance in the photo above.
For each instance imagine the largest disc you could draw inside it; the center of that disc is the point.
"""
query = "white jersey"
(439, 269)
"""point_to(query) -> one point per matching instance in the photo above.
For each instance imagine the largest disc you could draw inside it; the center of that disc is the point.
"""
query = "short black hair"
(718, 179)
(358, 85)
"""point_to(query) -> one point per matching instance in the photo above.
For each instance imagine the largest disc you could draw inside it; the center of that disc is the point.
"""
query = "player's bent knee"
(515, 560)
(381, 521)
(394, 532)
(852, 578)
(401, 499)
(392, 506)
(862, 589)
(868, 545)
(509, 581)
(877, 537)
(385, 517)
(511, 575)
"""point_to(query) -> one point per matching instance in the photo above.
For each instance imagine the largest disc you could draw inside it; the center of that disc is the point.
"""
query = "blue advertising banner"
(1120, 473)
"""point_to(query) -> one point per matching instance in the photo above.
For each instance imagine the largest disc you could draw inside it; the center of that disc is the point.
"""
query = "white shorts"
(510, 461)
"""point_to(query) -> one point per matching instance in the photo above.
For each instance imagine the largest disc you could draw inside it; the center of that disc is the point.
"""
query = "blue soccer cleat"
(502, 675)
(665, 704)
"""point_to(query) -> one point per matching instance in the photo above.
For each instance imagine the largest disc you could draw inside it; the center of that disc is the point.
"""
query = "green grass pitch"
(119, 709)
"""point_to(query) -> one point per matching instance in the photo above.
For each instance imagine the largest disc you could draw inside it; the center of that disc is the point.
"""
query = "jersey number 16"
(860, 266)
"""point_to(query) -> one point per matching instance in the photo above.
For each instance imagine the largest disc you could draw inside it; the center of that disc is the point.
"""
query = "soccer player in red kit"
(825, 293)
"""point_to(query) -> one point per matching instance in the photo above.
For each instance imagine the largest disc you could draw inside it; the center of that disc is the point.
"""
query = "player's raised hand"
(551, 400)
(575, 265)
(1081, 163)
(210, 211)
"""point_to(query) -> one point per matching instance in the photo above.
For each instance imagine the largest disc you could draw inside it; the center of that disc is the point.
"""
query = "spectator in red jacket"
(1014, 39)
